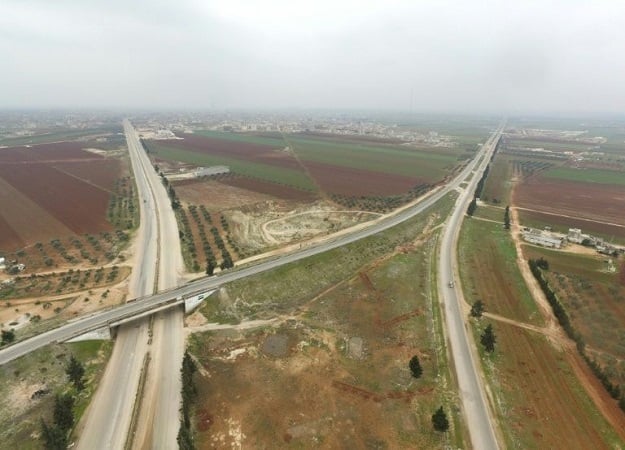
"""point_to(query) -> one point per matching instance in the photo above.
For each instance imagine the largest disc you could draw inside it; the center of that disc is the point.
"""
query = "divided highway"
(158, 409)
(158, 265)
(476, 410)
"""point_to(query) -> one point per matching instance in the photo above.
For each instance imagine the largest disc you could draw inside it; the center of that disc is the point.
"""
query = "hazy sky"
(458, 56)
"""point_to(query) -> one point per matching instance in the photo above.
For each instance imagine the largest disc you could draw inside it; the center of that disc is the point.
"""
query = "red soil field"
(9, 239)
(101, 173)
(78, 205)
(356, 182)
(47, 152)
(583, 200)
(264, 187)
(570, 222)
(233, 149)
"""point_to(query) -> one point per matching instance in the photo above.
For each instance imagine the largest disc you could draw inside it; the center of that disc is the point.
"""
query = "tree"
(227, 262)
(415, 367)
(63, 414)
(506, 218)
(76, 373)
(185, 436)
(622, 273)
(488, 339)
(472, 207)
(210, 267)
(542, 263)
(439, 420)
(8, 336)
(185, 440)
(477, 309)
(53, 437)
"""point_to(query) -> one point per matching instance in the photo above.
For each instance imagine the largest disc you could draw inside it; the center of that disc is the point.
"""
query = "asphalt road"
(159, 409)
(108, 417)
(475, 406)
(102, 318)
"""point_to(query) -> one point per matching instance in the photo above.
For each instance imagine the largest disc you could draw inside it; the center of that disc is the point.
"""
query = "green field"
(429, 165)
(549, 145)
(276, 142)
(587, 175)
(498, 186)
(485, 211)
(261, 171)
(488, 258)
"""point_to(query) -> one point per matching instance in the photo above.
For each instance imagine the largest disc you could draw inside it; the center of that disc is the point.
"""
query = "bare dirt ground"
(218, 196)
(274, 223)
(332, 373)
(19, 314)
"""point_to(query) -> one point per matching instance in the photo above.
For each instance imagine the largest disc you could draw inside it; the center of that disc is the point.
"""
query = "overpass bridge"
(189, 295)
(189, 292)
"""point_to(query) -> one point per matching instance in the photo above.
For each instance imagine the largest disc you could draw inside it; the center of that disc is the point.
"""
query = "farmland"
(551, 189)
(610, 177)
(67, 218)
(536, 392)
(53, 191)
(498, 184)
(594, 298)
(604, 203)
(264, 172)
(334, 167)
(562, 223)
(273, 176)
(60, 135)
(332, 368)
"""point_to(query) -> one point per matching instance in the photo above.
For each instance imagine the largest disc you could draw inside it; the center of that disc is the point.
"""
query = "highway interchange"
(164, 398)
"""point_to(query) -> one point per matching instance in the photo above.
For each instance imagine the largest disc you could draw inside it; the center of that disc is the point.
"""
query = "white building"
(2, 264)
(213, 170)
(575, 235)
(543, 238)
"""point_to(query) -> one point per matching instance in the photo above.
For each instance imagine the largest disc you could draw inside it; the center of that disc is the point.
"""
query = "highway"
(158, 420)
(158, 263)
(108, 418)
(140, 305)
(476, 410)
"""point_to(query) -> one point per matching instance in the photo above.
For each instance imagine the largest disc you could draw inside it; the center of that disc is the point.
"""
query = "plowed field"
(256, 153)
(58, 151)
(583, 200)
(53, 190)
(264, 187)
(356, 182)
